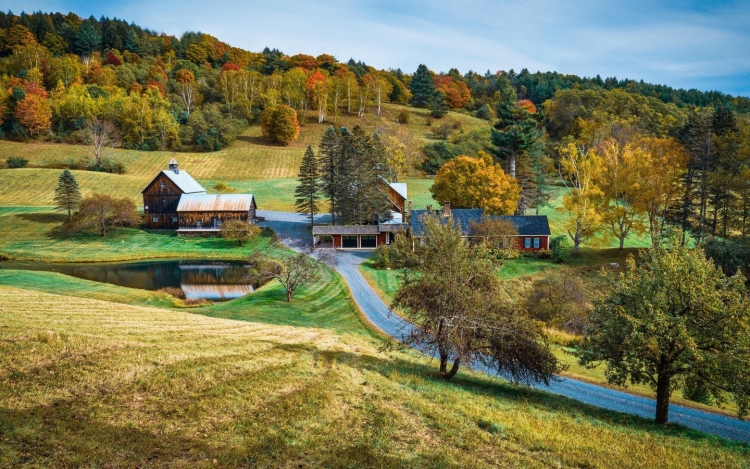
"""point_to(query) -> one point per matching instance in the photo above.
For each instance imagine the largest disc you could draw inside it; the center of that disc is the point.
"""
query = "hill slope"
(82, 380)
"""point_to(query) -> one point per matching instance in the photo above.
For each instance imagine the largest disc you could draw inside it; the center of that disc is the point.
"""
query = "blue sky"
(688, 44)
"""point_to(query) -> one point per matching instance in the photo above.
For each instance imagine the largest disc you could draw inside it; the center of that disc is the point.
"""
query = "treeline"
(198, 93)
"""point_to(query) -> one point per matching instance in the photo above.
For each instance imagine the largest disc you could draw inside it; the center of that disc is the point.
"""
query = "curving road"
(292, 229)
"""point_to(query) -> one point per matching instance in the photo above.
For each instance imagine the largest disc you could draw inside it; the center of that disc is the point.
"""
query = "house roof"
(527, 225)
(461, 216)
(346, 230)
(215, 203)
(182, 180)
(399, 187)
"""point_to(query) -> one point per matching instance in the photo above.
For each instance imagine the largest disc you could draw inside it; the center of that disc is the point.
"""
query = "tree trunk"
(454, 369)
(512, 165)
(443, 363)
(289, 295)
(662, 397)
(622, 242)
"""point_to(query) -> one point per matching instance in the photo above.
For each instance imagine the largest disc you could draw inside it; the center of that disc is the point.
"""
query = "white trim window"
(527, 243)
(155, 219)
(536, 243)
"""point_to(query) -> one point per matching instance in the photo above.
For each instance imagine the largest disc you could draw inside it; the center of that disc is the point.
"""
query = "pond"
(198, 279)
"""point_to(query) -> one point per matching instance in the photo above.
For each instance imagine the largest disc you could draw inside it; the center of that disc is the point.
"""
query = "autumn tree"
(307, 192)
(476, 183)
(279, 124)
(187, 89)
(452, 299)
(101, 213)
(238, 230)
(560, 300)
(496, 232)
(102, 137)
(291, 271)
(672, 320)
(67, 193)
(578, 168)
(34, 113)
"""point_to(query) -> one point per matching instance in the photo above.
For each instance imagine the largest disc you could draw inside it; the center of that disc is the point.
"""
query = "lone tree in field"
(308, 191)
(674, 320)
(453, 299)
(238, 230)
(101, 213)
(67, 193)
(102, 136)
(279, 124)
(292, 272)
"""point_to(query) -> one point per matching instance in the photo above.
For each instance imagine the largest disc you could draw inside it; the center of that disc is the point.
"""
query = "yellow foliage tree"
(578, 168)
(476, 183)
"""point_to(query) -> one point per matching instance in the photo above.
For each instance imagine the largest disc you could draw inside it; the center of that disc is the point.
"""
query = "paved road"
(292, 226)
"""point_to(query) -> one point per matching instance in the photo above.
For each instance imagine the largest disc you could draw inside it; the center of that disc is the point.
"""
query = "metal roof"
(215, 203)
(399, 187)
(184, 181)
(527, 225)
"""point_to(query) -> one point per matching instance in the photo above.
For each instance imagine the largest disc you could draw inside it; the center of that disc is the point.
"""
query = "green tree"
(329, 155)
(67, 193)
(673, 319)
(239, 230)
(452, 297)
(438, 104)
(87, 39)
(422, 87)
(308, 190)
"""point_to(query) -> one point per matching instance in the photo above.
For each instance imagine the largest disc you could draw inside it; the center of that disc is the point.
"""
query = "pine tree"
(88, 39)
(67, 193)
(422, 86)
(438, 104)
(308, 191)
(329, 159)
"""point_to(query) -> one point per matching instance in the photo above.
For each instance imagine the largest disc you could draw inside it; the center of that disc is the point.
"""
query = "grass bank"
(85, 381)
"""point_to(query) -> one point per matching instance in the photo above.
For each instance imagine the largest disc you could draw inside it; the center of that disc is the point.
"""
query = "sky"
(684, 44)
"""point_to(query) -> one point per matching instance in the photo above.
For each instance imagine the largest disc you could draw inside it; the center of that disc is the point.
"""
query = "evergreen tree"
(67, 193)
(438, 104)
(308, 191)
(132, 44)
(329, 159)
(88, 39)
(422, 87)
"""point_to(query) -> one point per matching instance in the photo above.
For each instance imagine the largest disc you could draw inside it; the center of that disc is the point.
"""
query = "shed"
(206, 212)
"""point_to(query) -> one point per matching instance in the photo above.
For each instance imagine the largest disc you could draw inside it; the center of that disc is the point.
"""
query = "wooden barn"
(204, 213)
(162, 196)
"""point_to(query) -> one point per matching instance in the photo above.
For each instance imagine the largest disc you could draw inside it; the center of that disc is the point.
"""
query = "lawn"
(34, 233)
(86, 382)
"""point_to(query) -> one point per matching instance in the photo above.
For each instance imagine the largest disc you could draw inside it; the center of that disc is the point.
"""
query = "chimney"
(407, 216)
(174, 166)
(447, 208)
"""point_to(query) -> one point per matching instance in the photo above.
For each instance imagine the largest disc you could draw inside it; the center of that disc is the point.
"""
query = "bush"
(222, 186)
(560, 249)
(173, 291)
(403, 117)
(16, 162)
(544, 254)
(560, 300)
(109, 165)
(239, 230)
(507, 254)
(383, 259)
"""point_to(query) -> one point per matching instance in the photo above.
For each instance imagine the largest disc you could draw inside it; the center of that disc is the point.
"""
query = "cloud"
(680, 43)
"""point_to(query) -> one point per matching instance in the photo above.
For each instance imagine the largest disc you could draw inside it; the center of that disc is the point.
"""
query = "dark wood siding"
(160, 200)
(189, 220)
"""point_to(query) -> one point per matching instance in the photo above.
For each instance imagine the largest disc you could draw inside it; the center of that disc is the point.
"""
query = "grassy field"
(33, 233)
(91, 383)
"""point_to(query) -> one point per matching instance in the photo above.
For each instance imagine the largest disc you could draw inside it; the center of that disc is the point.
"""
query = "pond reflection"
(198, 279)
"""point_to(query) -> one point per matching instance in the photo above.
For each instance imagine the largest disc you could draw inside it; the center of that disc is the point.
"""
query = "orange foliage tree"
(280, 124)
(476, 183)
(457, 94)
(34, 113)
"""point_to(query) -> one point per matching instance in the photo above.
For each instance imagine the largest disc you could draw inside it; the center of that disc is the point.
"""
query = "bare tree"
(293, 271)
(102, 136)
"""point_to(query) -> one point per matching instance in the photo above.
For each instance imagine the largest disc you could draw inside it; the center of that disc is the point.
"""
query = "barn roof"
(215, 203)
(184, 181)
(399, 187)
(527, 225)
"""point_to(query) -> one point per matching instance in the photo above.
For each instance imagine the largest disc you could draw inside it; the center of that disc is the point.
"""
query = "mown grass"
(87, 383)
(35, 233)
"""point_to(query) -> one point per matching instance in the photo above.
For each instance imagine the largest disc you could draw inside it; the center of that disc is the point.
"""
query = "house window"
(527, 243)
(155, 219)
(199, 224)
(369, 241)
(349, 241)
(536, 243)
(388, 238)
(174, 219)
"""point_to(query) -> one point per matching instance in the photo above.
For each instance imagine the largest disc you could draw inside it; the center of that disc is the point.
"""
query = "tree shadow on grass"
(46, 218)
(257, 140)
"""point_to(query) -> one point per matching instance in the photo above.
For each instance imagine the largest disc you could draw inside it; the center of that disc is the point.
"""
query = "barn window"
(349, 242)
(155, 219)
(527, 243)
(145, 207)
(163, 185)
(536, 243)
(174, 219)
(369, 241)
(199, 223)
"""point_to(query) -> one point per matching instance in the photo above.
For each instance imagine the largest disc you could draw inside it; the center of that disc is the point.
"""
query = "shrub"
(383, 259)
(403, 117)
(560, 300)
(16, 162)
(507, 254)
(544, 254)
(222, 186)
(239, 230)
(173, 291)
(280, 124)
(560, 249)
(196, 302)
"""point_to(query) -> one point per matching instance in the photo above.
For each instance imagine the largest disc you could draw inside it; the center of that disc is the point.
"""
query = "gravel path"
(293, 227)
